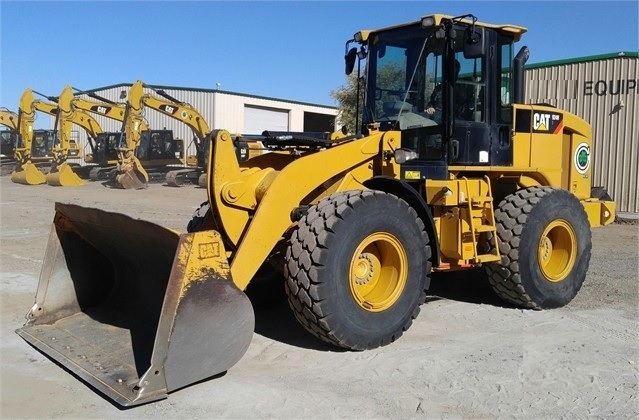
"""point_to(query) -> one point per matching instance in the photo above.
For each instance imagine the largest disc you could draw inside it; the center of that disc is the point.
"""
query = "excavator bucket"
(27, 173)
(63, 176)
(134, 309)
(131, 180)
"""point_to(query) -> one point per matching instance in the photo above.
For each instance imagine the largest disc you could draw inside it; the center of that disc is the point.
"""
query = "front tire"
(545, 243)
(356, 269)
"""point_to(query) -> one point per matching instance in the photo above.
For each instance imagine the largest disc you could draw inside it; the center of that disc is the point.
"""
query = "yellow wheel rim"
(378, 272)
(557, 250)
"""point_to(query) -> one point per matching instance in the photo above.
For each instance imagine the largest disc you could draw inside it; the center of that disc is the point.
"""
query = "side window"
(505, 85)
(470, 90)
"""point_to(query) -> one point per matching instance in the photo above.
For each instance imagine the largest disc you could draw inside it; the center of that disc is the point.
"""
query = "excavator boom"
(26, 171)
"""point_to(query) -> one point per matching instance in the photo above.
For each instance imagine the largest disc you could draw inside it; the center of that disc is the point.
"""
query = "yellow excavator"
(50, 150)
(153, 150)
(8, 140)
(140, 148)
(61, 173)
(9, 119)
(357, 222)
(184, 112)
(103, 157)
(34, 148)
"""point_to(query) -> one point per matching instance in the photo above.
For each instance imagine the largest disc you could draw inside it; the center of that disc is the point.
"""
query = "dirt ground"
(467, 355)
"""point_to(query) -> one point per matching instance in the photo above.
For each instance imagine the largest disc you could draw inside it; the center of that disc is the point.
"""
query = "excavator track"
(180, 177)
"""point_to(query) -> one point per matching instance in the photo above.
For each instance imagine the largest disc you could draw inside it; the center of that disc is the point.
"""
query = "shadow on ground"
(471, 286)
(275, 320)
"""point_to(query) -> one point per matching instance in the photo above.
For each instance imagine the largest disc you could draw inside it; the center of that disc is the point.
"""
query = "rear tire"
(545, 243)
(356, 269)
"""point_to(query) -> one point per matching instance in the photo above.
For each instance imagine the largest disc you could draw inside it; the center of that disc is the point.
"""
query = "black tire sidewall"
(557, 205)
(380, 213)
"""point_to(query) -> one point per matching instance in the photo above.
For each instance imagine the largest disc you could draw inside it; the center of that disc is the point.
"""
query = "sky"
(291, 50)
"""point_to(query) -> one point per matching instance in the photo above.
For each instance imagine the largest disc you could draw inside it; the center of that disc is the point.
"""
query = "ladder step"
(481, 199)
(484, 258)
(485, 228)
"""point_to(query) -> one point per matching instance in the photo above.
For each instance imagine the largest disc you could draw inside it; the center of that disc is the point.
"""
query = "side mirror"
(349, 58)
(474, 45)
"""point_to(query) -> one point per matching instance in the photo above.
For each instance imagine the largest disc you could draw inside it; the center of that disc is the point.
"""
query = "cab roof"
(514, 31)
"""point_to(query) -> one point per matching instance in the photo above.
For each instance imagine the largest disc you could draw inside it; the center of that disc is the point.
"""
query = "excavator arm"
(130, 172)
(186, 114)
(108, 109)
(61, 173)
(9, 119)
(26, 172)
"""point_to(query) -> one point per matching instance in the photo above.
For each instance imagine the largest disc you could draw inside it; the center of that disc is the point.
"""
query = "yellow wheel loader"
(357, 222)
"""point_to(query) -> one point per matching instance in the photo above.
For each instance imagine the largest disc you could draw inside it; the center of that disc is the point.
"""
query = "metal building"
(602, 90)
(235, 112)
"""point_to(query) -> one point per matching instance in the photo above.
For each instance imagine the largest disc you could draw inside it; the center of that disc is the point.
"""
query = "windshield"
(399, 81)
(404, 84)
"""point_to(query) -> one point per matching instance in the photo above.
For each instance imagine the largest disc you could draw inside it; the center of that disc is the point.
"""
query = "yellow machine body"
(356, 221)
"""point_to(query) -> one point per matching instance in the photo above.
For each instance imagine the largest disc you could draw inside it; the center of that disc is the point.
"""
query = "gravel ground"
(467, 355)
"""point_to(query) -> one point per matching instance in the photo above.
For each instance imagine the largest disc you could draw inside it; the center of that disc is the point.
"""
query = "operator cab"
(446, 83)
(9, 139)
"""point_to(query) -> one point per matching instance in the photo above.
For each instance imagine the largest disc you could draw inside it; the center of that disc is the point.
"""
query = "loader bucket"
(134, 309)
(27, 173)
(63, 176)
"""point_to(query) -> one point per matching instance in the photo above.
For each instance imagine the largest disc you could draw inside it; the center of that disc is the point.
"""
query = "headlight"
(404, 155)
(428, 21)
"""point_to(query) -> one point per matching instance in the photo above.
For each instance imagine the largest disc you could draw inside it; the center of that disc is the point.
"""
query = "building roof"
(583, 59)
(192, 89)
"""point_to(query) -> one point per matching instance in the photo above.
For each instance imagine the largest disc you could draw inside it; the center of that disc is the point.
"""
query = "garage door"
(258, 119)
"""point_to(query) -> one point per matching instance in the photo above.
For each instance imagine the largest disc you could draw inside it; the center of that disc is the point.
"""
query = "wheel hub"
(557, 251)
(364, 268)
(378, 272)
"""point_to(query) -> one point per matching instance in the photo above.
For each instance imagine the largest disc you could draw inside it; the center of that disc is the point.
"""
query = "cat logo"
(547, 122)
(168, 109)
(541, 122)
(101, 109)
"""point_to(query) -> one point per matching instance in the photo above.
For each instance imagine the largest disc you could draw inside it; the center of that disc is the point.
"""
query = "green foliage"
(390, 78)
(346, 97)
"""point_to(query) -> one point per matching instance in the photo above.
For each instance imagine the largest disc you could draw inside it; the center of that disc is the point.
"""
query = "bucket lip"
(138, 395)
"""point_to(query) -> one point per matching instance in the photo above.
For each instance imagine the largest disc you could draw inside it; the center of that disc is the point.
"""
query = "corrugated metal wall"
(604, 92)
(221, 109)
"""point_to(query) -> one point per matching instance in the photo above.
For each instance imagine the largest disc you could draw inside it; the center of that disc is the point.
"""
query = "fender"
(407, 193)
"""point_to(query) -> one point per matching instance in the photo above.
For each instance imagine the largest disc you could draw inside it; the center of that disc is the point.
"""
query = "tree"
(346, 97)
(390, 79)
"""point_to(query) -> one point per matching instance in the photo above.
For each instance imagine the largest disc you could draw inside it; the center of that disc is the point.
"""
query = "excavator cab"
(8, 140)
(160, 147)
(42, 144)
